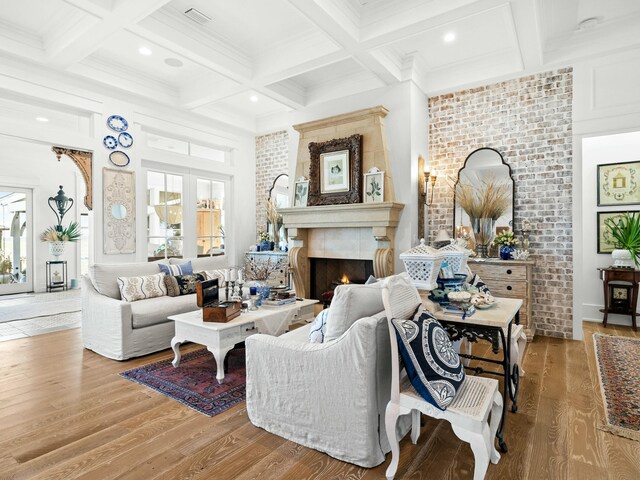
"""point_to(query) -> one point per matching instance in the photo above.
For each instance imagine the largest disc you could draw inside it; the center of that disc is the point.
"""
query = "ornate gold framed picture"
(335, 172)
(618, 184)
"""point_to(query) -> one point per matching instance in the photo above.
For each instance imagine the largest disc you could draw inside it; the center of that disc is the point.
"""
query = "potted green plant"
(625, 232)
(57, 236)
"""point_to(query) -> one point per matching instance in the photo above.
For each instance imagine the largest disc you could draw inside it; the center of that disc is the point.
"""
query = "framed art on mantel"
(374, 186)
(335, 173)
(618, 184)
(605, 241)
(301, 193)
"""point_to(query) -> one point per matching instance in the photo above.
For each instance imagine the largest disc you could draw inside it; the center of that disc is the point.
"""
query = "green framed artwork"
(618, 184)
(605, 241)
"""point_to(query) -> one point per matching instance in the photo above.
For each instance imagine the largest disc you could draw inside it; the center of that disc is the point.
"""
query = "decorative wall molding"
(119, 211)
(84, 161)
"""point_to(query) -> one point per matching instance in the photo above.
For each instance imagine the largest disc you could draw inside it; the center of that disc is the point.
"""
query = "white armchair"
(327, 396)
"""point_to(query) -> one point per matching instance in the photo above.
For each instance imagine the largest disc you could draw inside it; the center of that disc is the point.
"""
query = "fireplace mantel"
(357, 215)
(356, 231)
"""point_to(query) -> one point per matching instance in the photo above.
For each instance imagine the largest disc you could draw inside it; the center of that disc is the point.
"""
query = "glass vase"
(483, 232)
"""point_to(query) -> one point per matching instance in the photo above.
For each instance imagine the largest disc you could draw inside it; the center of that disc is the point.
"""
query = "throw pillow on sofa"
(319, 327)
(141, 288)
(173, 270)
(182, 284)
(433, 366)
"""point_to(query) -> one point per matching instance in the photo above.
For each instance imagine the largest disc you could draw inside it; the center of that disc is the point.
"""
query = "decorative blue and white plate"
(125, 139)
(110, 142)
(119, 159)
(117, 123)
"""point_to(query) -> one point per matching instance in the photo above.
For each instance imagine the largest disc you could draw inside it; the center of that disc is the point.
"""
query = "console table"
(509, 279)
(495, 325)
(620, 292)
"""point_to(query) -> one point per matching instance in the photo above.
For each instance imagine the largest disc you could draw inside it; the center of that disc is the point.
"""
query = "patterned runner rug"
(618, 361)
(194, 382)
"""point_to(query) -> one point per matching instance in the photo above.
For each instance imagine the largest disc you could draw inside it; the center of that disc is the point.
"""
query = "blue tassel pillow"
(433, 366)
(319, 327)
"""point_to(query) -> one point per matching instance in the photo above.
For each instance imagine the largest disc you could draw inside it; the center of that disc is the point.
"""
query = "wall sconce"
(429, 177)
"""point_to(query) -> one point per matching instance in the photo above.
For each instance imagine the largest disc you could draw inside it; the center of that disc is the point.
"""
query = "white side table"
(220, 338)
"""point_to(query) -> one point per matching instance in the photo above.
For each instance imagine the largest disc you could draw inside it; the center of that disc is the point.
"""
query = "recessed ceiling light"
(173, 62)
(144, 51)
(253, 98)
(42, 119)
(449, 37)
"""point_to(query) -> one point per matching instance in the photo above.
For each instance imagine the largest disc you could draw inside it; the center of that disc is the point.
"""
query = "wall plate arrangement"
(117, 123)
(119, 159)
(110, 142)
(125, 139)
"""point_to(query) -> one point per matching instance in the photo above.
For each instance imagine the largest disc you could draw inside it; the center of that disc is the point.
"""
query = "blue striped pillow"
(173, 270)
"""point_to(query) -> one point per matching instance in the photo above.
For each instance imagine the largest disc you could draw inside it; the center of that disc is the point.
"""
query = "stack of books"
(454, 309)
(281, 298)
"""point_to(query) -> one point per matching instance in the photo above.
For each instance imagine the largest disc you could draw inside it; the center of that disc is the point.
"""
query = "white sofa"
(119, 330)
(327, 396)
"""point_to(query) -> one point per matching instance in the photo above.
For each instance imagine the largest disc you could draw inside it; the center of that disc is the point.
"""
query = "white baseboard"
(592, 313)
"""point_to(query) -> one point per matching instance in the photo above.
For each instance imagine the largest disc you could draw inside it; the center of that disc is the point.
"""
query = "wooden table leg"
(605, 283)
(634, 305)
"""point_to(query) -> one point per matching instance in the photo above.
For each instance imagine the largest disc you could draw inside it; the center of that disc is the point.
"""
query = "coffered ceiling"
(248, 59)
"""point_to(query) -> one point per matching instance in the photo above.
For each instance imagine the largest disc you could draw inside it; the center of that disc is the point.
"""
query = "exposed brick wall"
(528, 120)
(272, 159)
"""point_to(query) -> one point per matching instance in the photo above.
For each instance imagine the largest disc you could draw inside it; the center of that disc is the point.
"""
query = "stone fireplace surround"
(358, 231)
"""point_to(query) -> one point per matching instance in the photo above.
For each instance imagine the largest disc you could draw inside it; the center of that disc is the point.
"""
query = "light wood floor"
(65, 413)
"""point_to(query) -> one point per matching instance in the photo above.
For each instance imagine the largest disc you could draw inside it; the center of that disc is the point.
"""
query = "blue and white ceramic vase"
(265, 245)
(505, 252)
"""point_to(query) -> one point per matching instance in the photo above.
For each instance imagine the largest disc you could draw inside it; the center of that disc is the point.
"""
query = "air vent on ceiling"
(197, 16)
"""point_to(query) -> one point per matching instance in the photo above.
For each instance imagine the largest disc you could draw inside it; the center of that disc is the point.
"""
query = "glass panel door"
(16, 246)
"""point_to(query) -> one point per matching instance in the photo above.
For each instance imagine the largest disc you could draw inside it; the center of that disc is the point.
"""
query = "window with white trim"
(164, 215)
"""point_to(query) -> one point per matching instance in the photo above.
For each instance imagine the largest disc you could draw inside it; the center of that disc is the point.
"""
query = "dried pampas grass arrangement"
(488, 200)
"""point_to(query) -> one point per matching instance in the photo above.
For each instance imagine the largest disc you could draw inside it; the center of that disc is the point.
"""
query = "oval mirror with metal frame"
(279, 194)
(482, 166)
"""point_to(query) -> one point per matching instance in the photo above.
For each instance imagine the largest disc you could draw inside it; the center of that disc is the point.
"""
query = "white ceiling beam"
(179, 37)
(329, 17)
(525, 23)
(82, 41)
(199, 93)
(285, 93)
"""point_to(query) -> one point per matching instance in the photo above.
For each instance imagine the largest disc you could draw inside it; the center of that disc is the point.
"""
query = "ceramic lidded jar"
(422, 263)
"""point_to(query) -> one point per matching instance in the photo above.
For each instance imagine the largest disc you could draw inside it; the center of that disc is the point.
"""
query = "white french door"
(16, 240)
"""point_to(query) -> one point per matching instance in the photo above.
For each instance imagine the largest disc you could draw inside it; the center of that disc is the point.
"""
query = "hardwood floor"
(65, 413)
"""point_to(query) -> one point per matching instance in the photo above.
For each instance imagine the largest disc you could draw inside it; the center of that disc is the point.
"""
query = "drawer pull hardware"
(509, 287)
(509, 272)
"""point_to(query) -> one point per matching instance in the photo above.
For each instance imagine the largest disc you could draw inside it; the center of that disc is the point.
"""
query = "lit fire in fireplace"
(344, 279)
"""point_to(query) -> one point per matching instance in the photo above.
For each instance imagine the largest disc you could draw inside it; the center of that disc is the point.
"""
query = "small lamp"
(60, 201)
(443, 236)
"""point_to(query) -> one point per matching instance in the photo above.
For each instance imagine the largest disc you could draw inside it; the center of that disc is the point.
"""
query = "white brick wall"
(529, 121)
(272, 159)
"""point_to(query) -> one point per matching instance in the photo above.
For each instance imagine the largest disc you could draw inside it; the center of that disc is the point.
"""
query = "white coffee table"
(220, 338)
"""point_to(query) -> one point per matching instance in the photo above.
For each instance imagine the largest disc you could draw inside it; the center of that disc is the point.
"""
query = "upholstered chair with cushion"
(328, 396)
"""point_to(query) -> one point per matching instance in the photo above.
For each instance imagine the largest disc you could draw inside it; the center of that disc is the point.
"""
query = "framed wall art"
(301, 192)
(605, 241)
(119, 201)
(618, 184)
(374, 186)
(335, 173)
